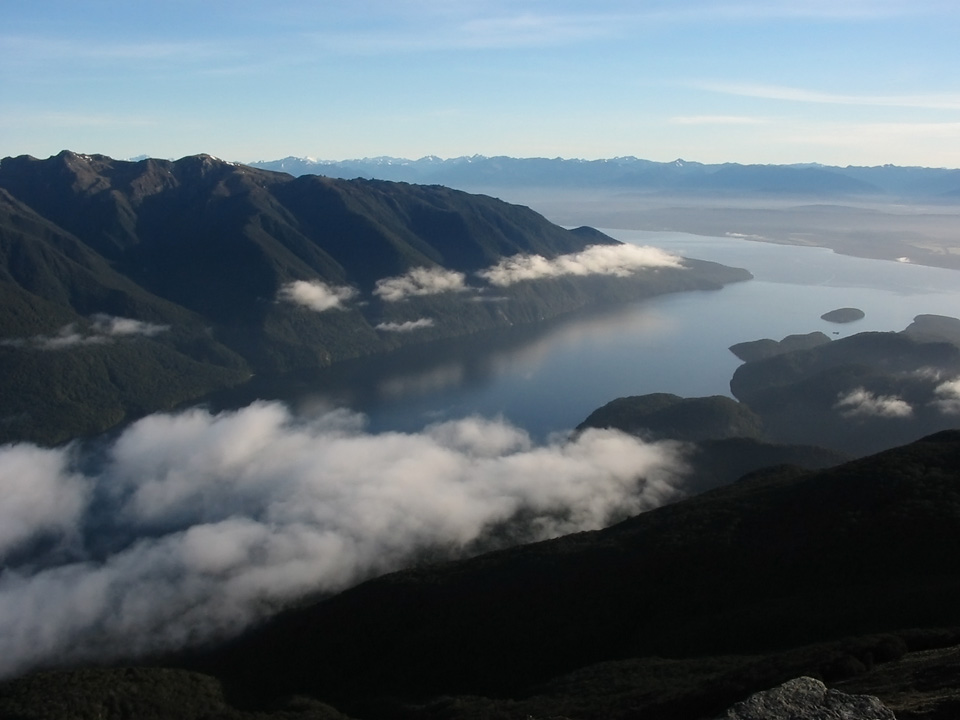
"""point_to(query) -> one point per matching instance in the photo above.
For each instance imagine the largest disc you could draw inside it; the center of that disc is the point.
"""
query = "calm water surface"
(548, 379)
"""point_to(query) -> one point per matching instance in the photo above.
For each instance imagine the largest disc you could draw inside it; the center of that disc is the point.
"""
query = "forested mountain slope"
(132, 286)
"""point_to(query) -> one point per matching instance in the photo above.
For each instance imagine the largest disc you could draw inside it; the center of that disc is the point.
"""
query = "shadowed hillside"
(141, 285)
(779, 560)
(675, 613)
(855, 395)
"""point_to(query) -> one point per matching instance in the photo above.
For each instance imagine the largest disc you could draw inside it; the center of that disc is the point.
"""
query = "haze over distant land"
(907, 214)
(666, 179)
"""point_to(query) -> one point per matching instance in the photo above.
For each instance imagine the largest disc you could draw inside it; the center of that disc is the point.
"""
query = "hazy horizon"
(858, 83)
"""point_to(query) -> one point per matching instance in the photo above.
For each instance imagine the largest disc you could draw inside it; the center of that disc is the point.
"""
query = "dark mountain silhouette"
(206, 250)
(729, 439)
(663, 415)
(759, 349)
(855, 395)
(858, 394)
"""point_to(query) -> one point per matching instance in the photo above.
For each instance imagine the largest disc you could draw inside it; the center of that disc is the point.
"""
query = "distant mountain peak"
(676, 177)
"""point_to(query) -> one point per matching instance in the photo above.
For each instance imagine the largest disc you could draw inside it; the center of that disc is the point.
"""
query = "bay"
(549, 377)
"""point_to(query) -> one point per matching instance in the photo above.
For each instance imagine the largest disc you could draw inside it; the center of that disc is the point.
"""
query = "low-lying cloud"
(948, 397)
(194, 525)
(316, 294)
(863, 403)
(420, 281)
(113, 326)
(41, 496)
(404, 327)
(616, 260)
(101, 329)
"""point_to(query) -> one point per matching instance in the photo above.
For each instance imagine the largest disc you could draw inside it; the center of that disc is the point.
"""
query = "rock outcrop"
(808, 699)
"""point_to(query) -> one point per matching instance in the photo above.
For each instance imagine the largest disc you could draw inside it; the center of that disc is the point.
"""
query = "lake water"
(549, 378)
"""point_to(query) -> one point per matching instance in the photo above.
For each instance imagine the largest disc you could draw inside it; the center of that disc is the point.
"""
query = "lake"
(548, 378)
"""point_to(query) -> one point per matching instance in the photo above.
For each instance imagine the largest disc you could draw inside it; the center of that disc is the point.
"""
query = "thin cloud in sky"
(824, 9)
(481, 33)
(54, 48)
(516, 78)
(15, 118)
(719, 120)
(530, 29)
(505, 27)
(379, 28)
(931, 101)
(73, 119)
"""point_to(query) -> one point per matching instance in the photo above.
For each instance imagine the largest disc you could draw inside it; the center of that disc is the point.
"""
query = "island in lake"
(843, 315)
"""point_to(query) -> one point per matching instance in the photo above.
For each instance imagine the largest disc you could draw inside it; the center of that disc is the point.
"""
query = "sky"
(840, 82)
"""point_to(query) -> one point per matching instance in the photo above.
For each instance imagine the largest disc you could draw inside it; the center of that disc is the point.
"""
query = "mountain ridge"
(677, 177)
(255, 271)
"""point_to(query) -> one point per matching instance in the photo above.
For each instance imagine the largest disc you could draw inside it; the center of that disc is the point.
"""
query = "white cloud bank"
(420, 281)
(863, 403)
(102, 329)
(41, 496)
(408, 326)
(617, 260)
(316, 294)
(196, 524)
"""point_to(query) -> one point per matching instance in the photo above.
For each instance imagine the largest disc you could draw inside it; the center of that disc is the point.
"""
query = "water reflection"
(433, 380)
(548, 377)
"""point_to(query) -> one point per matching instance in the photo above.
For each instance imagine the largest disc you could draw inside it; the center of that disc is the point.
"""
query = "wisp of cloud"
(316, 294)
(420, 281)
(102, 329)
(194, 525)
(863, 403)
(404, 327)
(110, 325)
(617, 260)
(948, 397)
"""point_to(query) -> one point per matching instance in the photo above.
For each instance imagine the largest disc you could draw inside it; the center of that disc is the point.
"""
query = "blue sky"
(861, 82)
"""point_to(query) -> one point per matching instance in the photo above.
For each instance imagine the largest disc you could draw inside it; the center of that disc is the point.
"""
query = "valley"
(408, 490)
